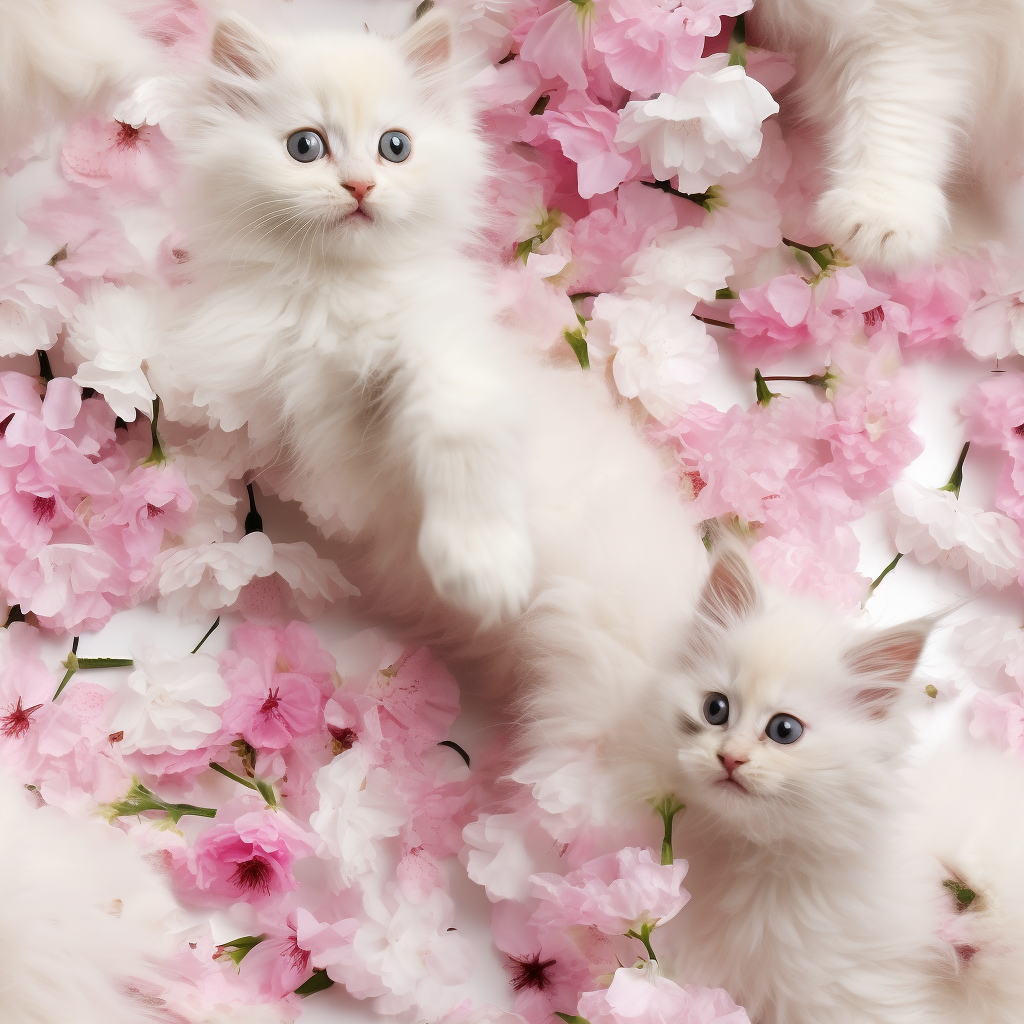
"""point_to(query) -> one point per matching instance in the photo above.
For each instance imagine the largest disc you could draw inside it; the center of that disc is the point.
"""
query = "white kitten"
(60, 57)
(368, 352)
(914, 96)
(332, 185)
(816, 879)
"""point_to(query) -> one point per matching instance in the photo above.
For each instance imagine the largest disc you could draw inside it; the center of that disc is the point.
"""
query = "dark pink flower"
(249, 859)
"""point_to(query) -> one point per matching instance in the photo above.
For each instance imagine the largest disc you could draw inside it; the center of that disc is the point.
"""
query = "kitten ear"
(888, 660)
(732, 590)
(428, 43)
(240, 48)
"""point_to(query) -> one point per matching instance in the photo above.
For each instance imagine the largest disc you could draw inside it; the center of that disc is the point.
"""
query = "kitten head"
(786, 721)
(330, 147)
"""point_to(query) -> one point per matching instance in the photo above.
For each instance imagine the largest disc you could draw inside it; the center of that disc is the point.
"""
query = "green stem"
(44, 366)
(668, 807)
(139, 799)
(253, 521)
(74, 664)
(957, 479)
(713, 323)
(72, 667)
(259, 785)
(818, 380)
(206, 635)
(156, 454)
(644, 935)
(699, 198)
(885, 572)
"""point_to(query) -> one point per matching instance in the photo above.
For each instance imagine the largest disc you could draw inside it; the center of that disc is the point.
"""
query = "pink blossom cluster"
(83, 515)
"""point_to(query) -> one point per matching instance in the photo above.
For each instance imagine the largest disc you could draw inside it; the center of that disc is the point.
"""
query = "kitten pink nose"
(358, 188)
(730, 763)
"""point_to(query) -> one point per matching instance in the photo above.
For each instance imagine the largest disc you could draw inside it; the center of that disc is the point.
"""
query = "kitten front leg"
(460, 422)
(894, 111)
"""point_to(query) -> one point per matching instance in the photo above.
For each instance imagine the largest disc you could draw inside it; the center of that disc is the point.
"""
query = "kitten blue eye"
(784, 729)
(716, 708)
(306, 146)
(395, 146)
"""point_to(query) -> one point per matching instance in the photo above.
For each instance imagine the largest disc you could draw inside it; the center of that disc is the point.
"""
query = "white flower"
(34, 304)
(936, 526)
(358, 807)
(993, 326)
(682, 264)
(990, 645)
(661, 353)
(503, 851)
(114, 331)
(572, 788)
(710, 127)
(195, 582)
(169, 701)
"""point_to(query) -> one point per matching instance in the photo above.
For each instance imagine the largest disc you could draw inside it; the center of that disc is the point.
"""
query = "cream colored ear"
(887, 660)
(428, 43)
(731, 591)
(239, 47)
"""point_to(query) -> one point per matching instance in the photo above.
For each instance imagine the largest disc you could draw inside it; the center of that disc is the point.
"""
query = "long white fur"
(916, 98)
(368, 366)
(63, 57)
(363, 353)
(816, 893)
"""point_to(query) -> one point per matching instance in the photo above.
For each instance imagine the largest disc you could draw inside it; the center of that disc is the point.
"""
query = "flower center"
(44, 508)
(253, 876)
(153, 510)
(297, 957)
(341, 739)
(530, 972)
(127, 136)
(18, 720)
(271, 704)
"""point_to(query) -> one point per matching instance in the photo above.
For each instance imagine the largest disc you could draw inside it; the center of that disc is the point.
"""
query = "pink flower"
(557, 43)
(33, 305)
(136, 161)
(277, 684)
(586, 133)
(999, 717)
(618, 892)
(800, 565)
(994, 412)
(26, 693)
(635, 998)
(546, 974)
(936, 299)
(775, 317)
(250, 859)
(81, 228)
(277, 966)
(649, 48)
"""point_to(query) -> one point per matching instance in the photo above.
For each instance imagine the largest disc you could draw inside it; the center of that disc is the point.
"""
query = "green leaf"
(236, 949)
(726, 293)
(764, 396)
(572, 1019)
(964, 896)
(578, 343)
(317, 983)
(156, 454)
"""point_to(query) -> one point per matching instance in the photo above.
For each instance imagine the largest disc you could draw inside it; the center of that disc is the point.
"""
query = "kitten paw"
(485, 568)
(887, 226)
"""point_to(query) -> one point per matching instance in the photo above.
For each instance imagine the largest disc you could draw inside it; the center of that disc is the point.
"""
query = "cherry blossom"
(711, 126)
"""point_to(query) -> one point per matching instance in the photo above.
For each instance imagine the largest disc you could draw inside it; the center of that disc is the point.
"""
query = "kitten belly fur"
(361, 387)
(914, 98)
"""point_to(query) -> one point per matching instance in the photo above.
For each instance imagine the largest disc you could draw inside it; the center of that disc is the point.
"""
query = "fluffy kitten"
(331, 188)
(84, 924)
(60, 57)
(914, 96)
(816, 874)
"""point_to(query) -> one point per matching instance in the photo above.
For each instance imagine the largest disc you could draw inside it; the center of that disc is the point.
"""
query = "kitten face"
(343, 147)
(783, 719)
